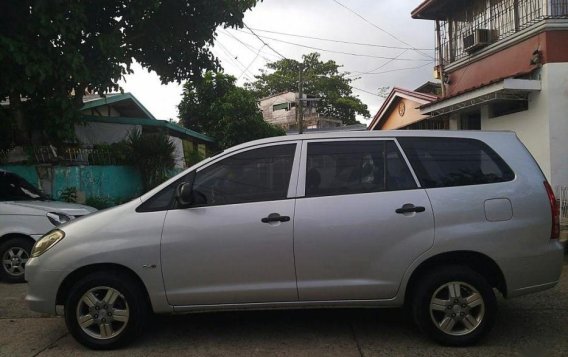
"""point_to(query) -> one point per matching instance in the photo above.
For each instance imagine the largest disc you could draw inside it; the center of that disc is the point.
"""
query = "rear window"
(448, 162)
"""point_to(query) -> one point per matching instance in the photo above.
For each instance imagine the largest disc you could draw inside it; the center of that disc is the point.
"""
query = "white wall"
(178, 152)
(544, 127)
(103, 133)
(557, 84)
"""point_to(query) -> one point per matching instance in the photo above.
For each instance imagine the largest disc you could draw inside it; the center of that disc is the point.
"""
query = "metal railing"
(72, 156)
(501, 18)
(562, 195)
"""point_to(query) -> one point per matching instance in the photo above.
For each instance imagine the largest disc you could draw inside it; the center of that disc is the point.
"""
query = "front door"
(236, 244)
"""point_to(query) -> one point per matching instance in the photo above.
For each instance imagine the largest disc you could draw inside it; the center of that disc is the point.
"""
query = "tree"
(321, 79)
(214, 105)
(52, 51)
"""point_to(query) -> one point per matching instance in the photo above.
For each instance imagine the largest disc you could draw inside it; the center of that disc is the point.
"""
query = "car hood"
(71, 209)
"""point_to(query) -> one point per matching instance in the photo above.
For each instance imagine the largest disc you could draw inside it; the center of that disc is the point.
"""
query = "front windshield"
(15, 188)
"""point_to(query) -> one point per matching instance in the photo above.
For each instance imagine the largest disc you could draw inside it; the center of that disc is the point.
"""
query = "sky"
(401, 54)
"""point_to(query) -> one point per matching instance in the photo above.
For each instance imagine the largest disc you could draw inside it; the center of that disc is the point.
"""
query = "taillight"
(555, 210)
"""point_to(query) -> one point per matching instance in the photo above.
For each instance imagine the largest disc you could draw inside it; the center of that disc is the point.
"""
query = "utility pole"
(300, 105)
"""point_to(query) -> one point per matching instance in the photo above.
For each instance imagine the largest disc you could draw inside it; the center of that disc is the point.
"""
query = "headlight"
(57, 219)
(46, 242)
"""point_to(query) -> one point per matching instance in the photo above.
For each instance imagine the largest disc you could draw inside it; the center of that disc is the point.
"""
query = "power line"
(251, 62)
(396, 70)
(380, 29)
(341, 41)
(366, 91)
(266, 44)
(233, 57)
(338, 52)
(248, 46)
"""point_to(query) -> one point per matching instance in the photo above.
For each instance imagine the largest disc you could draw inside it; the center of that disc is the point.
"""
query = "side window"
(349, 167)
(164, 199)
(447, 162)
(256, 175)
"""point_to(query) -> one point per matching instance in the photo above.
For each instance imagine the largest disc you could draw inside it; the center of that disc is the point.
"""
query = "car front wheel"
(454, 305)
(105, 310)
(14, 253)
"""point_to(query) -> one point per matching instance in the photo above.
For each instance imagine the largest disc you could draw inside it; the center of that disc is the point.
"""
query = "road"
(534, 325)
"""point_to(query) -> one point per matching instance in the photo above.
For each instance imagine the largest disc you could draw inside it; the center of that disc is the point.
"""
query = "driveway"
(535, 325)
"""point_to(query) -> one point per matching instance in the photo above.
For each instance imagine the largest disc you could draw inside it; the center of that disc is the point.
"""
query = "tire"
(106, 310)
(14, 253)
(454, 305)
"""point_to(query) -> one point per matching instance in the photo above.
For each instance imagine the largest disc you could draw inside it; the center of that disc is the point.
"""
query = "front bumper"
(42, 287)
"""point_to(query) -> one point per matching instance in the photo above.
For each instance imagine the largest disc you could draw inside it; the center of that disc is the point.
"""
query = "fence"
(562, 192)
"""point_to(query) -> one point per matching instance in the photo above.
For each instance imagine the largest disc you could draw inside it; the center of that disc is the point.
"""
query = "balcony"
(466, 27)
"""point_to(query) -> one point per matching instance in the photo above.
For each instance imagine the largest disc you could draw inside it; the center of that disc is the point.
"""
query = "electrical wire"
(233, 57)
(395, 70)
(342, 41)
(380, 29)
(266, 44)
(365, 91)
(248, 46)
(339, 52)
(251, 62)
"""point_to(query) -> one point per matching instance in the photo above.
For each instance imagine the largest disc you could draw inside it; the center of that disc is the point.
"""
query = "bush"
(100, 202)
(69, 195)
(153, 155)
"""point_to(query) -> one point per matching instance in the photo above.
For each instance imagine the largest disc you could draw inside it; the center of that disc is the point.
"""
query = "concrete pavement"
(535, 325)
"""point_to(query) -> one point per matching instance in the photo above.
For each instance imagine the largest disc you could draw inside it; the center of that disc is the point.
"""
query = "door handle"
(410, 208)
(275, 217)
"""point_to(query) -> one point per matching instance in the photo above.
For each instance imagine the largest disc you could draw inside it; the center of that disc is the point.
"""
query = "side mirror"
(184, 194)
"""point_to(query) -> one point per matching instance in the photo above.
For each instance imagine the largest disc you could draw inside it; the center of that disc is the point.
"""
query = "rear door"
(361, 222)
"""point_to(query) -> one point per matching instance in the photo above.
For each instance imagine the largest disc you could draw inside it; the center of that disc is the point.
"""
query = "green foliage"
(214, 105)
(69, 195)
(110, 154)
(51, 51)
(100, 202)
(153, 155)
(321, 79)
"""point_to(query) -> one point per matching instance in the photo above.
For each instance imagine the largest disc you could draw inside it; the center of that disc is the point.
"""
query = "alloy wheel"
(14, 261)
(457, 308)
(102, 312)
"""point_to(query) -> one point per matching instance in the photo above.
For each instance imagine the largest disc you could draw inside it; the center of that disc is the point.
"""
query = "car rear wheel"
(454, 305)
(105, 310)
(14, 253)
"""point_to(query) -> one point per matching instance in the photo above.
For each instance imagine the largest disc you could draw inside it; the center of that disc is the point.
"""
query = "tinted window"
(15, 188)
(445, 162)
(255, 175)
(348, 167)
(164, 199)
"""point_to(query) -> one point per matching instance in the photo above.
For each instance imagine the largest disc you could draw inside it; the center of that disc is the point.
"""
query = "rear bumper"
(42, 287)
(535, 272)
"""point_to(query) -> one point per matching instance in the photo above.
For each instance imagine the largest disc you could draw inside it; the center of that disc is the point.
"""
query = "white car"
(429, 220)
(25, 215)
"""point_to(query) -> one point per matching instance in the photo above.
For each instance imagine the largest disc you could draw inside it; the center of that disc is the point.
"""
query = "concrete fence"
(115, 183)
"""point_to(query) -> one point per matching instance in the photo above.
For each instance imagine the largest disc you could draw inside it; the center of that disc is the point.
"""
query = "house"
(280, 110)
(504, 66)
(401, 110)
(110, 119)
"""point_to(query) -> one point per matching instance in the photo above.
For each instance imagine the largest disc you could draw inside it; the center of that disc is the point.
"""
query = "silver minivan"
(434, 221)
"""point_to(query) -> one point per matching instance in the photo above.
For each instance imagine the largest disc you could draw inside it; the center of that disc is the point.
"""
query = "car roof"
(473, 134)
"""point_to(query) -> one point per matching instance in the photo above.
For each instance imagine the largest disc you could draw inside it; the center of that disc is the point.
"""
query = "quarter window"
(256, 175)
(447, 162)
(348, 167)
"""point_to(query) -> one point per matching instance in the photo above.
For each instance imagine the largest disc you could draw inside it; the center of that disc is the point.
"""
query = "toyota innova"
(438, 222)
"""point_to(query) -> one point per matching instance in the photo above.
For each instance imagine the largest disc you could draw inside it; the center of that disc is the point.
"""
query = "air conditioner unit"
(478, 39)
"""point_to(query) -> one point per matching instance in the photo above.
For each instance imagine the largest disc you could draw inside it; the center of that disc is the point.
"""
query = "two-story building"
(504, 66)
(281, 110)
